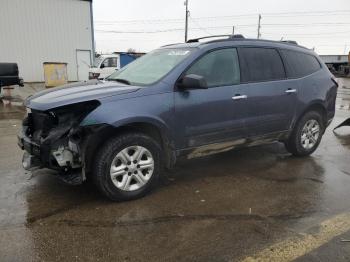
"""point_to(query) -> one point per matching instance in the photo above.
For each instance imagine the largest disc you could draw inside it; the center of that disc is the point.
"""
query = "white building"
(335, 59)
(36, 31)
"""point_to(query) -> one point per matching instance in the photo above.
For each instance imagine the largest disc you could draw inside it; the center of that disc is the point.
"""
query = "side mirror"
(193, 81)
(102, 65)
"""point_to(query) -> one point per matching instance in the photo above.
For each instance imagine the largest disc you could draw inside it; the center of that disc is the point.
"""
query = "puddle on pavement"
(11, 109)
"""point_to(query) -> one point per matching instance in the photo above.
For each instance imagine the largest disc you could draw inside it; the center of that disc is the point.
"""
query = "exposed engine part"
(65, 157)
(73, 147)
(54, 139)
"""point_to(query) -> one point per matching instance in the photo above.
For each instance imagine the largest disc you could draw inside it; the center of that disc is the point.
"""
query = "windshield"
(151, 67)
(97, 61)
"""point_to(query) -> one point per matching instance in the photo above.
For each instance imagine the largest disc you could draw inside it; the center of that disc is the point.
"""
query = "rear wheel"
(307, 134)
(127, 167)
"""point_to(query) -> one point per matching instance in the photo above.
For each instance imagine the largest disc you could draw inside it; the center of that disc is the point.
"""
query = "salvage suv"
(192, 100)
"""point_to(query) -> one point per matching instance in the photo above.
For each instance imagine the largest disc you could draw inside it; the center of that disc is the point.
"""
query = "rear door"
(271, 98)
(208, 116)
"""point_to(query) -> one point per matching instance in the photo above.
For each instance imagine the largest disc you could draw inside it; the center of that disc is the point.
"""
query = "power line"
(334, 12)
(167, 30)
(306, 24)
(309, 34)
(226, 26)
(140, 32)
(272, 15)
(200, 27)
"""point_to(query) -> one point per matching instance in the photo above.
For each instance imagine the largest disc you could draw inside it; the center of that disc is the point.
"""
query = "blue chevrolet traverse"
(193, 99)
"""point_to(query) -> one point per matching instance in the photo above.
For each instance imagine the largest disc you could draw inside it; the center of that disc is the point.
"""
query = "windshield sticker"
(178, 52)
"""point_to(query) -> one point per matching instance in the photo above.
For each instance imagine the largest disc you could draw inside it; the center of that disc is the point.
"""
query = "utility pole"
(186, 21)
(259, 27)
(233, 30)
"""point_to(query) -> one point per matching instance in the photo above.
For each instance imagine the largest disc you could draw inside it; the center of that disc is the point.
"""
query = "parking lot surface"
(253, 204)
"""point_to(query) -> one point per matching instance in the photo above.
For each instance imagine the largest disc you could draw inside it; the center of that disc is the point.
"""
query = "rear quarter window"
(260, 64)
(299, 64)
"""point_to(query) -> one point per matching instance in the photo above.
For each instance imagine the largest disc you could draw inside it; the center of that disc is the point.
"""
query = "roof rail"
(205, 37)
(213, 36)
(290, 42)
(238, 36)
(171, 44)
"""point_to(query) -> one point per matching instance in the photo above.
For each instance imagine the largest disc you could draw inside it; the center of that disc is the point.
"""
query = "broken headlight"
(40, 123)
(73, 114)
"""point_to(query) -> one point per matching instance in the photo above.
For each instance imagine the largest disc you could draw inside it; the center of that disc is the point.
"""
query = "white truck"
(105, 65)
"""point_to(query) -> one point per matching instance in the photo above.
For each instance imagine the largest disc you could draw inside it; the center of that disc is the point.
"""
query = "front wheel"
(127, 167)
(307, 134)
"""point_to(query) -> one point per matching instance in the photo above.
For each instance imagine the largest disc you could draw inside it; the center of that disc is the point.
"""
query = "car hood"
(75, 93)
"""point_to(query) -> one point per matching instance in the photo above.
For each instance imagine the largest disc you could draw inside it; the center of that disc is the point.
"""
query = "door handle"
(238, 97)
(291, 91)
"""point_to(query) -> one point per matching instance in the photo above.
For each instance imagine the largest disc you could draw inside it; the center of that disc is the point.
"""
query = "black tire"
(102, 163)
(294, 144)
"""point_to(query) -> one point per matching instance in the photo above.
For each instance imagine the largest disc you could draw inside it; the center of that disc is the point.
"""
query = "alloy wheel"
(132, 168)
(310, 134)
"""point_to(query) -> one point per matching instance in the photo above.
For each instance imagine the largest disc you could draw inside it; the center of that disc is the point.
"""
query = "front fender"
(159, 123)
(156, 110)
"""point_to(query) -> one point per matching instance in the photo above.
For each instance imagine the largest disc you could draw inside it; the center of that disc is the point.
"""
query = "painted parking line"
(295, 247)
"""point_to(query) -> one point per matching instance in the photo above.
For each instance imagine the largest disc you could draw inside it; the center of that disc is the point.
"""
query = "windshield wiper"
(124, 81)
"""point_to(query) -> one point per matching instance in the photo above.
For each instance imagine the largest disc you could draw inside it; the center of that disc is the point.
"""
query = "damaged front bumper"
(55, 139)
(61, 154)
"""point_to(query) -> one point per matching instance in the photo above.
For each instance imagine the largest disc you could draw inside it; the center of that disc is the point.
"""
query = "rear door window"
(219, 67)
(299, 64)
(260, 64)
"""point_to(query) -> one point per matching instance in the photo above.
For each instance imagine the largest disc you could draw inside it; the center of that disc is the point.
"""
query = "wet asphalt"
(252, 204)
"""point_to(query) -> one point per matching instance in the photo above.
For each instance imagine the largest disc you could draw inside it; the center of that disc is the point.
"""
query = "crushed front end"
(54, 138)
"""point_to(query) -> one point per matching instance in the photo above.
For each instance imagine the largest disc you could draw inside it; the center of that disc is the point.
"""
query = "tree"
(131, 50)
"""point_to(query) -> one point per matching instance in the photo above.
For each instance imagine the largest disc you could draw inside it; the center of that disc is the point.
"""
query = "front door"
(210, 116)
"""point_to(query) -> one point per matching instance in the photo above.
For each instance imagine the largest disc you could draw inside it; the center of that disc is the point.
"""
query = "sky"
(146, 25)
